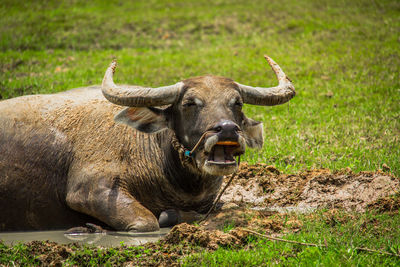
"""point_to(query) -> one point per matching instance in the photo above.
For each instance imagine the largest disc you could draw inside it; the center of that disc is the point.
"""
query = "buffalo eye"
(238, 103)
(189, 103)
(192, 102)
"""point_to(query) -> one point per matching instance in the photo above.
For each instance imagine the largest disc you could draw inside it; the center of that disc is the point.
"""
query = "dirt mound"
(197, 235)
(265, 186)
(349, 191)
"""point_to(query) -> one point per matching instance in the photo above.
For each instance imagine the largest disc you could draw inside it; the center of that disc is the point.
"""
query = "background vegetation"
(343, 57)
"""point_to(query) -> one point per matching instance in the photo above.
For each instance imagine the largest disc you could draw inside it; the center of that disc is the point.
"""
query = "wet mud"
(264, 186)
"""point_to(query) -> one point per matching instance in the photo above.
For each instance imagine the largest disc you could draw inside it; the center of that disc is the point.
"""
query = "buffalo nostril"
(226, 130)
(226, 126)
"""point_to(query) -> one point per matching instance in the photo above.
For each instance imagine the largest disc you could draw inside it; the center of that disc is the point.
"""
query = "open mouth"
(223, 153)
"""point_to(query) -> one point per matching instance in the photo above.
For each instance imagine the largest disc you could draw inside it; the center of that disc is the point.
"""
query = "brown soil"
(264, 186)
(197, 235)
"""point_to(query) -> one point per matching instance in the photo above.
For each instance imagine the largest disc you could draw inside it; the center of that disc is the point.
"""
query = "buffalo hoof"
(169, 218)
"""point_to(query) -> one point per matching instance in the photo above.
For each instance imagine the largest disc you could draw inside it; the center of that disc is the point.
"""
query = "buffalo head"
(204, 112)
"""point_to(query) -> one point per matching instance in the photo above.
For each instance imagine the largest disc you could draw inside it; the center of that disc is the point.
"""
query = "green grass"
(343, 57)
(342, 233)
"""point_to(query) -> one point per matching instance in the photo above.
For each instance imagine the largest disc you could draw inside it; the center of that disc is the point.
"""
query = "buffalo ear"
(253, 132)
(147, 120)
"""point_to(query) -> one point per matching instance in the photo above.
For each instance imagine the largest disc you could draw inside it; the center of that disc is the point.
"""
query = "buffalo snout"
(227, 130)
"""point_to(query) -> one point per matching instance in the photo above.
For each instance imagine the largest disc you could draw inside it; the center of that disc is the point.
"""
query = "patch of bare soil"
(265, 186)
(197, 235)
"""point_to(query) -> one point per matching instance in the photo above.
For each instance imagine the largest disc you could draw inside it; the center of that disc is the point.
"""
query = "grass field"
(343, 58)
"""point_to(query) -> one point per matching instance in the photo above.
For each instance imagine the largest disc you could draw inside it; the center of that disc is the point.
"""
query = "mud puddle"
(108, 239)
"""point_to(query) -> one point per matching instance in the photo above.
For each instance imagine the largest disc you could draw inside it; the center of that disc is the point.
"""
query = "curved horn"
(269, 96)
(136, 96)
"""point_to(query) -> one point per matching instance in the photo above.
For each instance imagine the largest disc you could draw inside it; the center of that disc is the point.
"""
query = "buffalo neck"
(181, 176)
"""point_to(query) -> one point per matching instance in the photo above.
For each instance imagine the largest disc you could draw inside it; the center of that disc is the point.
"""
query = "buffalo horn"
(272, 95)
(136, 96)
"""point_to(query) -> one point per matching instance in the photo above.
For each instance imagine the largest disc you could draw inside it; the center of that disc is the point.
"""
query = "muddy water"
(109, 239)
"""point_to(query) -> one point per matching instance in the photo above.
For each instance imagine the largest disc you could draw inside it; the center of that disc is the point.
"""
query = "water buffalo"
(76, 157)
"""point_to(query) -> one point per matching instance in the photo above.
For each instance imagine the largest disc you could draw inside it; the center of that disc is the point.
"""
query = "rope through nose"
(190, 153)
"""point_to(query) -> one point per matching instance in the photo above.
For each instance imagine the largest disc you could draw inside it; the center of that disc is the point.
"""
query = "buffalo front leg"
(112, 205)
